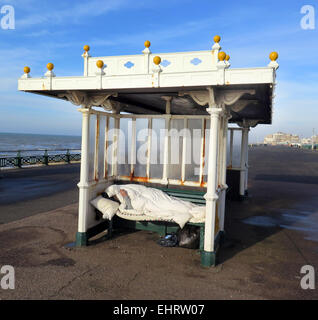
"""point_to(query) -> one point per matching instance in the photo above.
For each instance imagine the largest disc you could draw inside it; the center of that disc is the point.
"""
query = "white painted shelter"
(167, 90)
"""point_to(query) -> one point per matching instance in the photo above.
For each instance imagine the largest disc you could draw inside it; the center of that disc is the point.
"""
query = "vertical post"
(149, 147)
(223, 173)
(244, 150)
(166, 157)
(86, 57)
(231, 148)
(146, 53)
(18, 159)
(246, 162)
(115, 147)
(220, 152)
(81, 237)
(203, 127)
(96, 153)
(46, 158)
(106, 148)
(208, 255)
(220, 163)
(184, 149)
(133, 148)
(68, 156)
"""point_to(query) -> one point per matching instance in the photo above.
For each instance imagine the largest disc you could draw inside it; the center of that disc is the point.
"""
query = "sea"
(36, 144)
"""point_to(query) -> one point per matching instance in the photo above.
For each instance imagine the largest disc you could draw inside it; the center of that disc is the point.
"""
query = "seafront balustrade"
(45, 157)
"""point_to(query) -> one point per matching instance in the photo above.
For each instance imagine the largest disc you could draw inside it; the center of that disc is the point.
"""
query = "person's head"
(123, 193)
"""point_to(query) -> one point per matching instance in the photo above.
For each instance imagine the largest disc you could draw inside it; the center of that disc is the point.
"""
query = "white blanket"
(154, 202)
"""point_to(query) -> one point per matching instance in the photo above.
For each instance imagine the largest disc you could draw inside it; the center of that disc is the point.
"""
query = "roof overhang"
(140, 91)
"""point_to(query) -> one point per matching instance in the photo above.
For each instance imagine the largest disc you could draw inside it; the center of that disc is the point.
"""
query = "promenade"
(28, 191)
(270, 237)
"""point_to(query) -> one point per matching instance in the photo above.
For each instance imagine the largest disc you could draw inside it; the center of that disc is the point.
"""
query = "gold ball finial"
(222, 56)
(227, 57)
(273, 56)
(217, 39)
(100, 64)
(50, 66)
(86, 48)
(26, 69)
(147, 43)
(156, 60)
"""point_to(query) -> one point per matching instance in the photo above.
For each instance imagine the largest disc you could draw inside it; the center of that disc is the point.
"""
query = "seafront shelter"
(181, 90)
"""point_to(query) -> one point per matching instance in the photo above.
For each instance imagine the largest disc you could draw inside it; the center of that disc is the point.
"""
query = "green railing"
(45, 159)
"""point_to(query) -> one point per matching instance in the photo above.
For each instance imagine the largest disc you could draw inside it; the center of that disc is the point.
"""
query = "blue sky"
(55, 31)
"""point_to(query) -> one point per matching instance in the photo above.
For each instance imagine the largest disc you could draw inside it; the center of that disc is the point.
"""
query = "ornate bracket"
(79, 98)
(246, 123)
(220, 98)
(203, 98)
(241, 104)
(229, 97)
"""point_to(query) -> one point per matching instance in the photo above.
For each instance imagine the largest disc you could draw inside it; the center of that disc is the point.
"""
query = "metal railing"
(20, 160)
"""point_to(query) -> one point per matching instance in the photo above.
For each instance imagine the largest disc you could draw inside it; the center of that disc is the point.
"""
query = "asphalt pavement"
(31, 190)
(269, 238)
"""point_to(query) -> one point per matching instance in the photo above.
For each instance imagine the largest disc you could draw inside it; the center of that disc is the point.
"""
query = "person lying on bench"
(126, 198)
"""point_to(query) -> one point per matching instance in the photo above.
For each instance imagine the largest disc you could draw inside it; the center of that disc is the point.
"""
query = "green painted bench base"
(82, 238)
(208, 259)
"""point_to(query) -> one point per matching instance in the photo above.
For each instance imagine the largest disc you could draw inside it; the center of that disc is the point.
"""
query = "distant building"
(310, 141)
(315, 138)
(306, 141)
(280, 138)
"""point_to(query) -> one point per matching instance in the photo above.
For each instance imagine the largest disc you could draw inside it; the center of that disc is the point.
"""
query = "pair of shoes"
(170, 240)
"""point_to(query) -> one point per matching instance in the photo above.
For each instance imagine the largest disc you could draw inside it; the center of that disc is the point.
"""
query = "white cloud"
(55, 14)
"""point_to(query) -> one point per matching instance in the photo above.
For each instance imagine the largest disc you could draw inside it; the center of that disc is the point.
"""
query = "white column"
(223, 173)
(211, 196)
(149, 139)
(220, 151)
(165, 171)
(231, 148)
(184, 148)
(106, 148)
(202, 153)
(96, 153)
(244, 150)
(133, 147)
(84, 175)
(246, 161)
(115, 147)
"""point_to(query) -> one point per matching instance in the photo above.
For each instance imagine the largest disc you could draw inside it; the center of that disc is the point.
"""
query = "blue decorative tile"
(129, 64)
(196, 61)
(165, 63)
